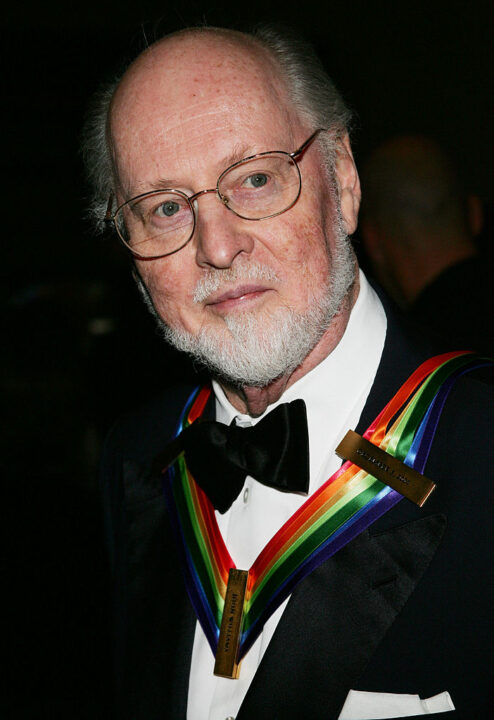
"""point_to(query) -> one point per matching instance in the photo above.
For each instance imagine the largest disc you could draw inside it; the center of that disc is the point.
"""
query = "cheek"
(305, 254)
(169, 285)
(305, 247)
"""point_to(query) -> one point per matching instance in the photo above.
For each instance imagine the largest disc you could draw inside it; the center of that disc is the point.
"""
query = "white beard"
(255, 348)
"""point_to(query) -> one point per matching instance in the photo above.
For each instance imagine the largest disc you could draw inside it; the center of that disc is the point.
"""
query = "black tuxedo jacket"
(407, 607)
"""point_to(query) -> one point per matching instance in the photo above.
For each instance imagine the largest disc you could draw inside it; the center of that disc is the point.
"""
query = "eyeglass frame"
(110, 217)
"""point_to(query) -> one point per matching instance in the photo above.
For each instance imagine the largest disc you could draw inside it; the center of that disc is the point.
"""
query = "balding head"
(287, 63)
(183, 88)
(410, 186)
(415, 218)
(186, 65)
(210, 55)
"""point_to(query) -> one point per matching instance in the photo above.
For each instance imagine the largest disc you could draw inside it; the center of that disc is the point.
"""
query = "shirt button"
(246, 497)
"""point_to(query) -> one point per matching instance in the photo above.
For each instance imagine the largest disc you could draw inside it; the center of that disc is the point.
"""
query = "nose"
(220, 235)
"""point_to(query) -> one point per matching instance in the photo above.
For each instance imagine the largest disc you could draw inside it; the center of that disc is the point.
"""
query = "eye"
(167, 208)
(256, 181)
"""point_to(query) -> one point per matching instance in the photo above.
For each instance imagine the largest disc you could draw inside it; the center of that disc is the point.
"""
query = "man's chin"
(250, 348)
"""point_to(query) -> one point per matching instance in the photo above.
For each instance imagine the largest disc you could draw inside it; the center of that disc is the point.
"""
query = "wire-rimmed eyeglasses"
(161, 222)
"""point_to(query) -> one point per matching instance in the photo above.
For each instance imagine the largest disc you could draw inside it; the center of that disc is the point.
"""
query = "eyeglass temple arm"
(108, 215)
(306, 143)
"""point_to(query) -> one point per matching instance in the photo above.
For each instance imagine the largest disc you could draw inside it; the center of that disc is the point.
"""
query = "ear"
(348, 184)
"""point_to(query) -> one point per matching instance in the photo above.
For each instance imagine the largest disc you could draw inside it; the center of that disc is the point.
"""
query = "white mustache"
(215, 278)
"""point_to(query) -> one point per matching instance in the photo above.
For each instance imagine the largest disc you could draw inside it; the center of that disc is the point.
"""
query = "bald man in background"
(419, 230)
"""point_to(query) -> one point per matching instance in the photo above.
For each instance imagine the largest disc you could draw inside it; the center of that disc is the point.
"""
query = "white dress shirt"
(334, 393)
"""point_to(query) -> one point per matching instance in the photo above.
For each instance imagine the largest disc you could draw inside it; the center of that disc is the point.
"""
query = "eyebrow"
(238, 153)
(162, 184)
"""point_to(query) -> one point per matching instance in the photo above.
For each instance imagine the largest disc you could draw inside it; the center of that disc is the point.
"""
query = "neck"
(254, 400)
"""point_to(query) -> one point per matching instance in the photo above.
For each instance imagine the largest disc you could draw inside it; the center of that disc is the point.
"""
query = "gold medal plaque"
(226, 664)
(385, 467)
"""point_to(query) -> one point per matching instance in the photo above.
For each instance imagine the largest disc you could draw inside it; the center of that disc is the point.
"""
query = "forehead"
(187, 103)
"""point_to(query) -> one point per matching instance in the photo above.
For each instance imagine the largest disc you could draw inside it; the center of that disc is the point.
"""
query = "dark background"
(79, 348)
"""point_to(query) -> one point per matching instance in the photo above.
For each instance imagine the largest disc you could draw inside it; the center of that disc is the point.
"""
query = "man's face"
(183, 114)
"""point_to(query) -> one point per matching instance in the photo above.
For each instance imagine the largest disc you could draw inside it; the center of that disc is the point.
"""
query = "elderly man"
(223, 161)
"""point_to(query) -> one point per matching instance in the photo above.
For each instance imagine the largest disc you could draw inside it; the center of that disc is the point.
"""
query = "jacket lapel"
(335, 620)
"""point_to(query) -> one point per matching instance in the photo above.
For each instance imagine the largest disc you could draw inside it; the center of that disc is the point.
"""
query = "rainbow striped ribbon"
(348, 502)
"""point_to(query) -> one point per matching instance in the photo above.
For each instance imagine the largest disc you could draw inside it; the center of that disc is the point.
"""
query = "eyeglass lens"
(155, 224)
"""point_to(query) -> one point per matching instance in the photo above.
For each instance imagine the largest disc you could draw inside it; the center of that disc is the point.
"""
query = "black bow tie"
(275, 452)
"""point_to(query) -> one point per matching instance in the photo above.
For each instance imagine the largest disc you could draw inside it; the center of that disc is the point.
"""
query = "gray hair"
(311, 91)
